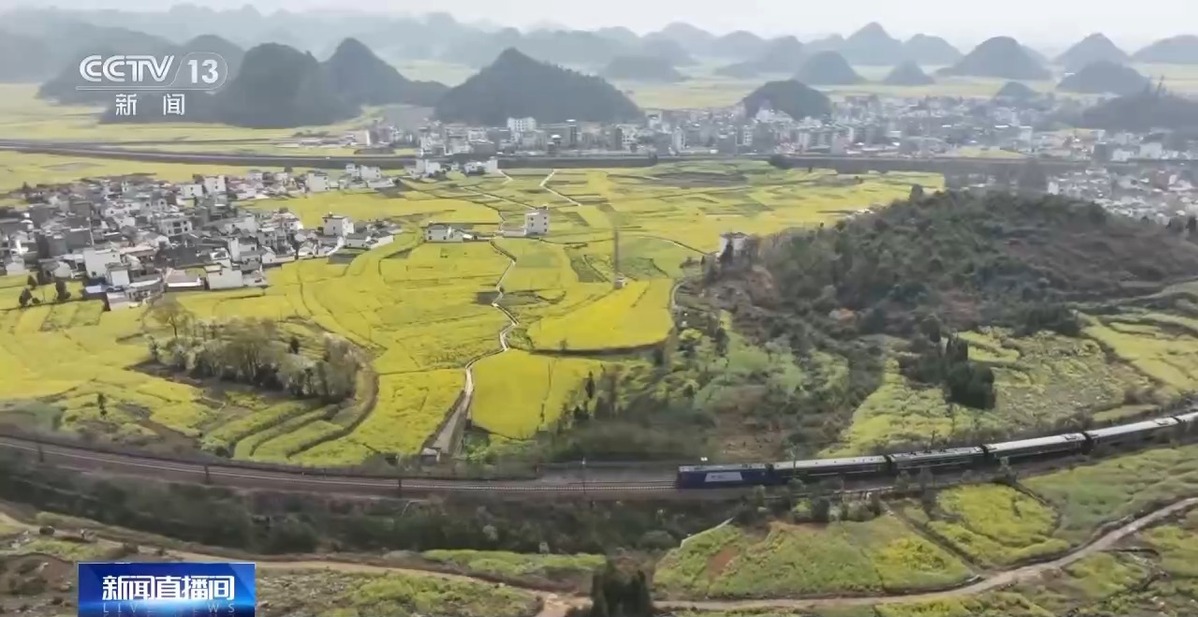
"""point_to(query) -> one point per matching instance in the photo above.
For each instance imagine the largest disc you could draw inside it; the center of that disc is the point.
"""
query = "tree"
(294, 345)
(590, 386)
(26, 297)
(916, 192)
(61, 294)
(102, 403)
(165, 310)
(926, 480)
(31, 282)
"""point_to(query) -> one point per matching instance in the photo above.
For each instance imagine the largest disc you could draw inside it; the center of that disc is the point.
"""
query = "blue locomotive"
(951, 459)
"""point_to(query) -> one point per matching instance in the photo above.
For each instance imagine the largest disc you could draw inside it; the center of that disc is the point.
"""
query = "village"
(131, 238)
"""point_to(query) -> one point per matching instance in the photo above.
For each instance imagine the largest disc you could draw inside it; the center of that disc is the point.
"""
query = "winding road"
(556, 605)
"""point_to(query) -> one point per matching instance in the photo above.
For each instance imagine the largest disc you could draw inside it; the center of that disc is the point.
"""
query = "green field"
(843, 558)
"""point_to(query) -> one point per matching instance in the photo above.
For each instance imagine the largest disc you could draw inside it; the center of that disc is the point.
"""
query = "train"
(951, 459)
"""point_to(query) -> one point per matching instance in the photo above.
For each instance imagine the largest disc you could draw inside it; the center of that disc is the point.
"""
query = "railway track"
(86, 460)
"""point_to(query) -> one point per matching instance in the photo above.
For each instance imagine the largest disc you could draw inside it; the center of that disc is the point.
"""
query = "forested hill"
(995, 260)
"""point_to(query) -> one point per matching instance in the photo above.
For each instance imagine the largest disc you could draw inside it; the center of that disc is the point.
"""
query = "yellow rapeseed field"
(516, 393)
(422, 311)
(635, 316)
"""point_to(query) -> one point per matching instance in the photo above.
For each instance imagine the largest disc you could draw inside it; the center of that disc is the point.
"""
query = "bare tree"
(166, 311)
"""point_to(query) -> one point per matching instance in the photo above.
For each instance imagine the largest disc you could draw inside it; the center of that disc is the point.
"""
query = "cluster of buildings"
(1160, 195)
(534, 224)
(131, 238)
(873, 125)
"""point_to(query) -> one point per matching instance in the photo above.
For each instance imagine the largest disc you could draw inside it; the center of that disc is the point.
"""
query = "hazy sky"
(1040, 22)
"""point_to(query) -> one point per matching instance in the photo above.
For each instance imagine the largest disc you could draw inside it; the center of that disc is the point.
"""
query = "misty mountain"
(62, 88)
(833, 42)
(781, 55)
(694, 40)
(516, 85)
(1091, 49)
(361, 78)
(575, 47)
(1105, 77)
(789, 97)
(930, 50)
(1000, 57)
(740, 70)
(908, 74)
(621, 35)
(247, 26)
(642, 68)
(25, 59)
(1173, 50)
(827, 68)
(1015, 92)
(1035, 54)
(277, 87)
(738, 45)
(667, 50)
(872, 45)
(232, 54)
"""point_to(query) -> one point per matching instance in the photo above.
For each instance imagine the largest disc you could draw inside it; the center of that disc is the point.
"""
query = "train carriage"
(1039, 447)
(1188, 419)
(951, 458)
(862, 466)
(1149, 430)
(722, 476)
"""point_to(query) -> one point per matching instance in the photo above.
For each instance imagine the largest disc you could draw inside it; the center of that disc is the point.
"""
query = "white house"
(221, 277)
(96, 261)
(439, 232)
(521, 125)
(288, 221)
(317, 182)
(255, 176)
(360, 240)
(215, 184)
(425, 168)
(536, 223)
(489, 166)
(174, 225)
(118, 276)
(191, 191)
(365, 173)
(337, 225)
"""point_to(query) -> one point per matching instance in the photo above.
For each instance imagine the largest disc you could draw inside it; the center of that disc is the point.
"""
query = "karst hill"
(1001, 57)
(517, 86)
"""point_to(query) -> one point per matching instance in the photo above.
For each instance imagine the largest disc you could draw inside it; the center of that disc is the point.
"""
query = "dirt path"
(556, 605)
(992, 582)
(545, 185)
(445, 441)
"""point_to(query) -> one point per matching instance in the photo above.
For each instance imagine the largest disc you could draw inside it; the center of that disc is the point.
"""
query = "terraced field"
(423, 311)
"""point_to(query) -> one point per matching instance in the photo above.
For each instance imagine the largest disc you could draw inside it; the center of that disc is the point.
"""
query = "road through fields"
(556, 605)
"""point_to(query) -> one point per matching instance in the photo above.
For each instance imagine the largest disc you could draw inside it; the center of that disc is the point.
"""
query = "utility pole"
(207, 476)
(41, 454)
(584, 477)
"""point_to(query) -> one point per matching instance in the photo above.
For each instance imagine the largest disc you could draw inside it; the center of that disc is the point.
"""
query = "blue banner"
(167, 590)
